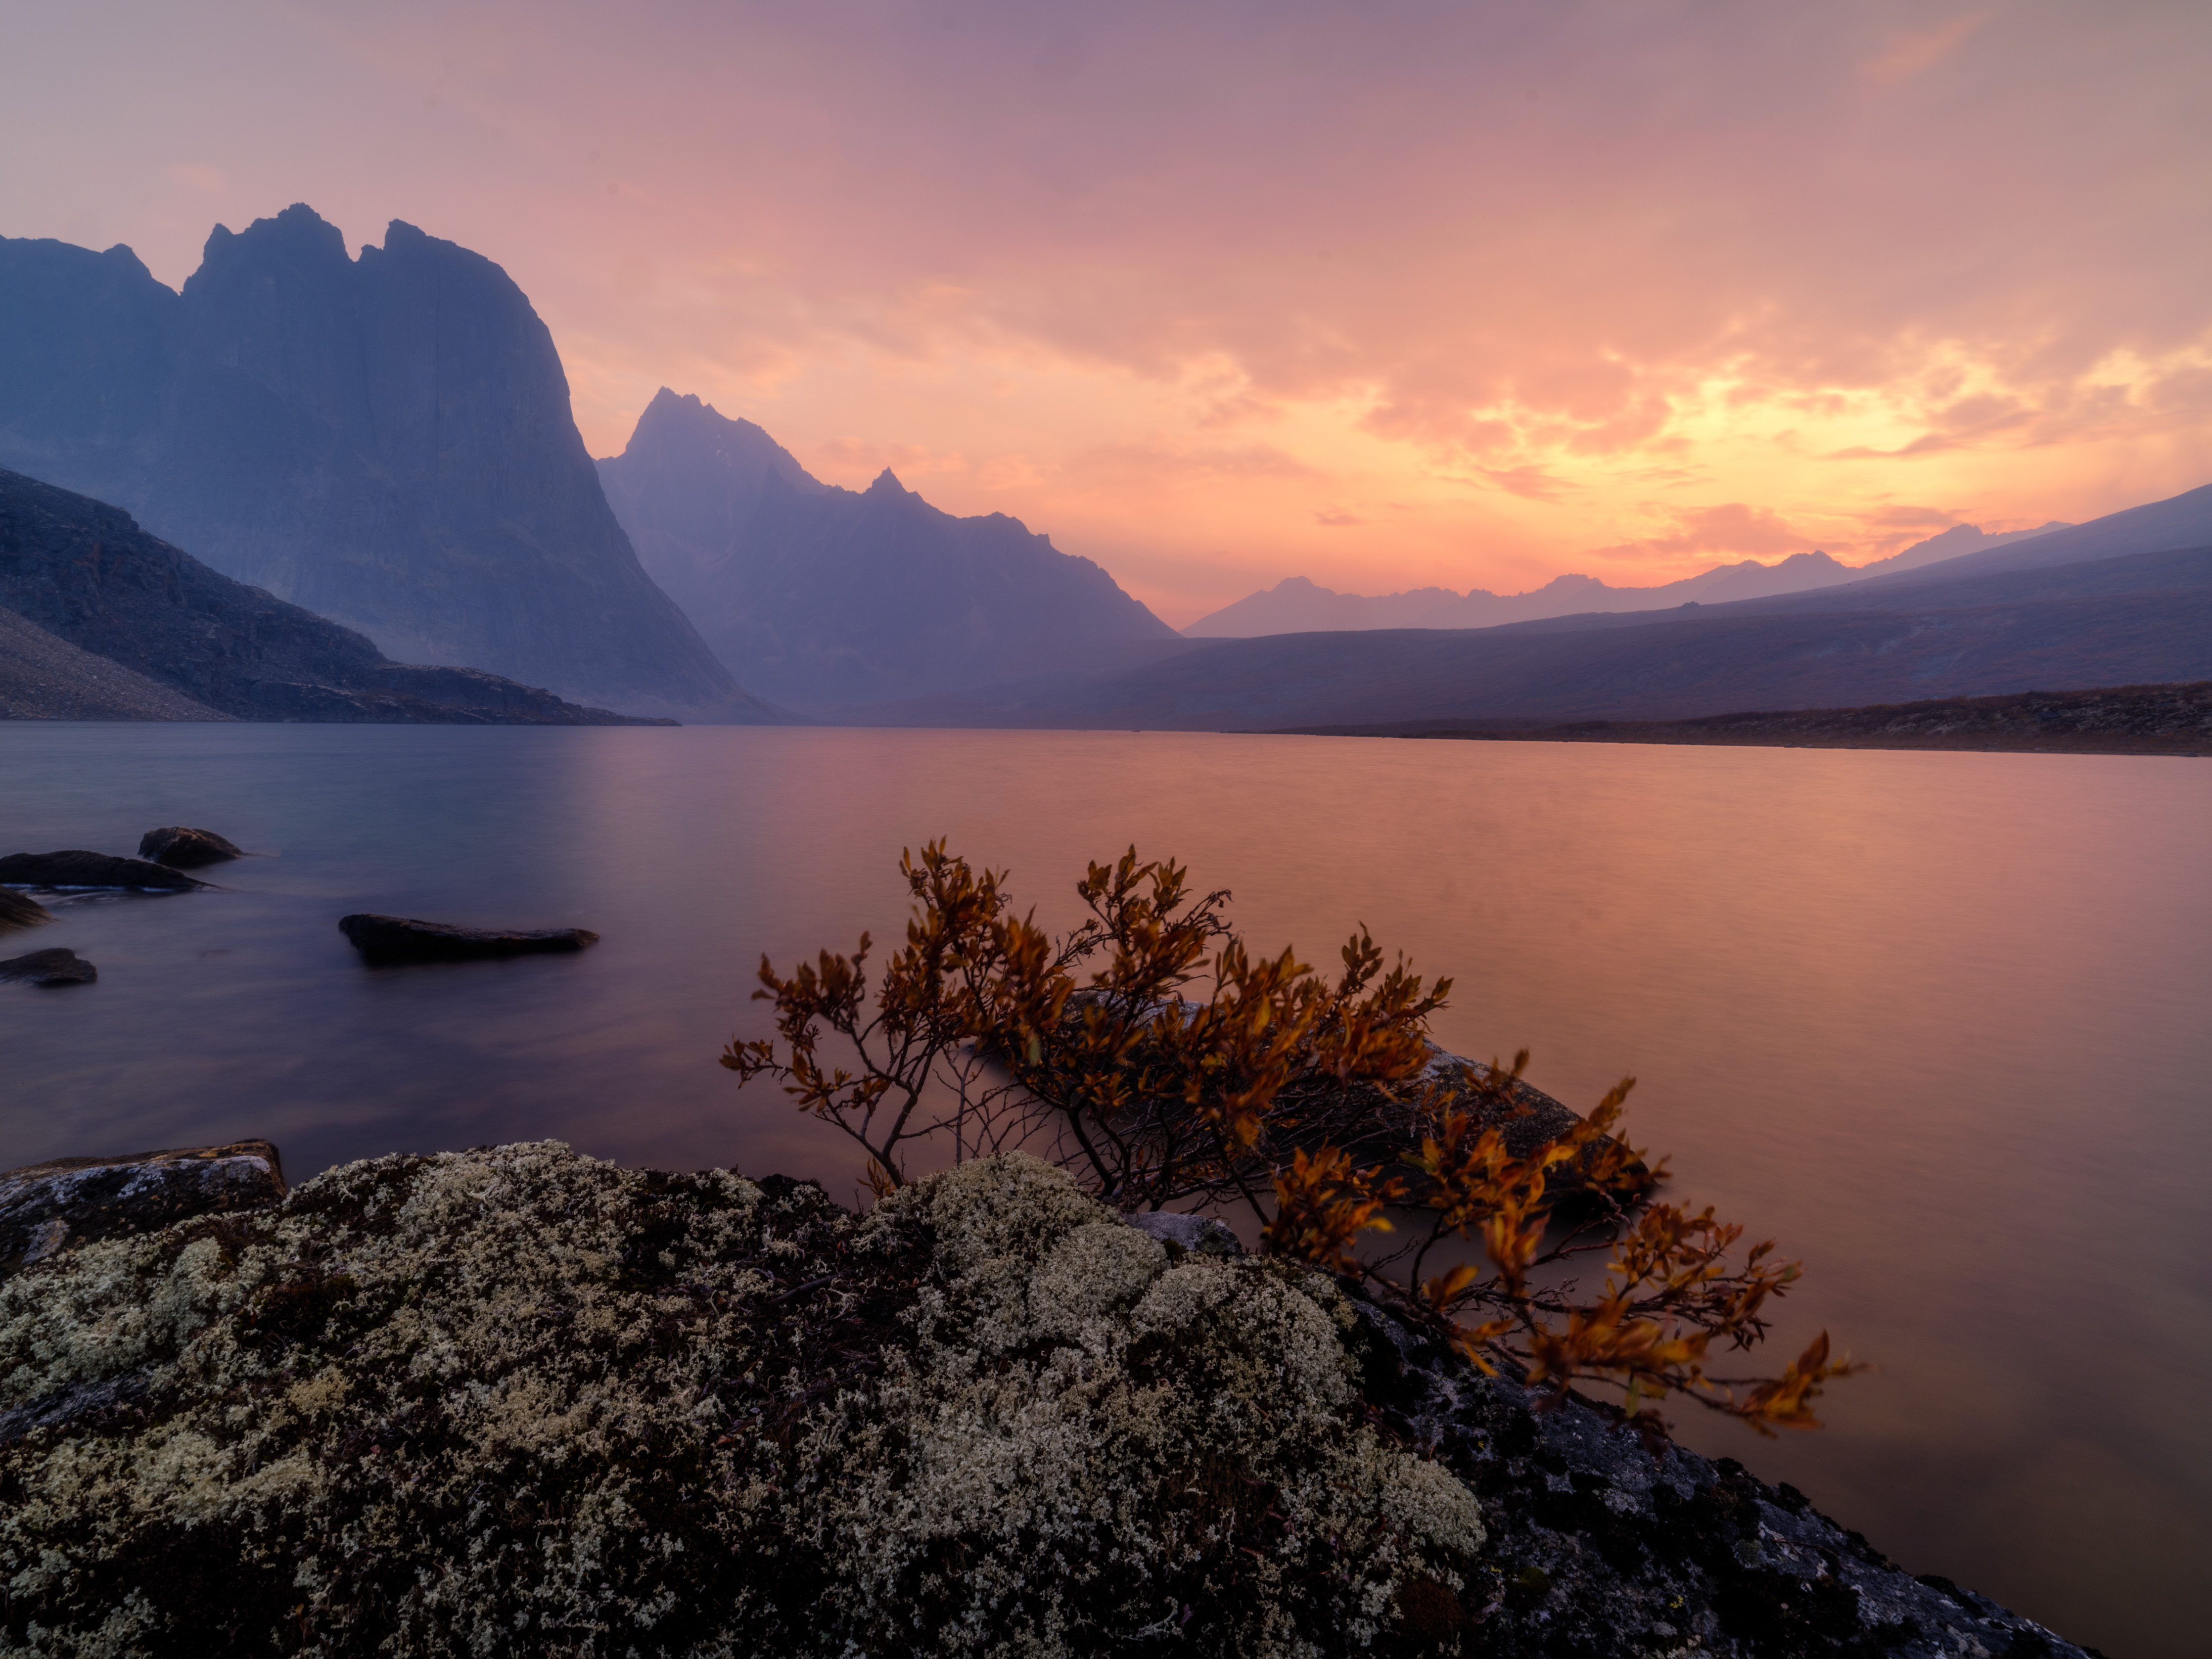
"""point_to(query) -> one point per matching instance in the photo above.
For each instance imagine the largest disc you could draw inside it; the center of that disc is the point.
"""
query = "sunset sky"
(1385, 294)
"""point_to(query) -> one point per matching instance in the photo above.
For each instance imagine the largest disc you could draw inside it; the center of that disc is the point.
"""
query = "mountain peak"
(887, 483)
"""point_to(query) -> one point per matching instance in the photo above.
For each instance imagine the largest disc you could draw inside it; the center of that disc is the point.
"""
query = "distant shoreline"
(2126, 720)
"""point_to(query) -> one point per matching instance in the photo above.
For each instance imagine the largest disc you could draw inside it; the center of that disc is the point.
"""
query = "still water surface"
(1937, 1021)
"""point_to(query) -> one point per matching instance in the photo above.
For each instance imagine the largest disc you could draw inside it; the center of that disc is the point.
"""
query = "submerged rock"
(83, 869)
(518, 1401)
(19, 910)
(397, 938)
(180, 849)
(47, 1209)
(56, 966)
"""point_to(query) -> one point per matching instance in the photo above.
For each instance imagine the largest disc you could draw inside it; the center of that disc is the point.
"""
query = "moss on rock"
(516, 1400)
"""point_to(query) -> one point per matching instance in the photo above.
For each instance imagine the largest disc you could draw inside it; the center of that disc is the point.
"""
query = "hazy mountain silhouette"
(2129, 619)
(387, 442)
(832, 597)
(83, 590)
(1295, 605)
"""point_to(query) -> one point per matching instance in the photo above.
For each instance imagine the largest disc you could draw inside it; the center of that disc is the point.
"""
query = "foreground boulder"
(180, 849)
(50, 967)
(397, 938)
(49, 1208)
(518, 1401)
(19, 911)
(82, 869)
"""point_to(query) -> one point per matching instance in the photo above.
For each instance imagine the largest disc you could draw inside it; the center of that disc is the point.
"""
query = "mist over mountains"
(1295, 605)
(386, 441)
(826, 598)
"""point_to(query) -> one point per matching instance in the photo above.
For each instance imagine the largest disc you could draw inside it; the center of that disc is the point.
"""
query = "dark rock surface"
(825, 597)
(1602, 1544)
(385, 440)
(19, 910)
(56, 966)
(398, 939)
(86, 573)
(181, 848)
(47, 1209)
(43, 678)
(82, 869)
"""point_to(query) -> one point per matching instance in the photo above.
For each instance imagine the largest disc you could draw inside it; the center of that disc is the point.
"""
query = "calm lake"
(1941, 1024)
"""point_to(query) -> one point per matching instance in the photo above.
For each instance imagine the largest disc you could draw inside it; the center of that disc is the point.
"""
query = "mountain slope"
(2147, 619)
(387, 442)
(833, 598)
(43, 678)
(85, 575)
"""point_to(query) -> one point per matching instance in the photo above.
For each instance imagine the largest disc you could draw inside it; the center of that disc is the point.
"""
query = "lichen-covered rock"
(516, 1400)
(69, 1202)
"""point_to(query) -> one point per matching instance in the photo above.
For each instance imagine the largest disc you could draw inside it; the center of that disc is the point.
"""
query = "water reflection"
(1935, 1021)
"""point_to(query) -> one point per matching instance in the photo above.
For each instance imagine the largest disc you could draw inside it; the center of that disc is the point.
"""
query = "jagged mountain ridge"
(81, 584)
(833, 598)
(1297, 606)
(387, 442)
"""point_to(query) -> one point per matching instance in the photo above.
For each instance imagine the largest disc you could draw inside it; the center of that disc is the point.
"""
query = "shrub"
(1155, 1056)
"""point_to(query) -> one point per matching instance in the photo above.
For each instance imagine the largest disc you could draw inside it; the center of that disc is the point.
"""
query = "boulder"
(180, 849)
(50, 967)
(18, 911)
(492, 1398)
(49, 1208)
(82, 869)
(398, 939)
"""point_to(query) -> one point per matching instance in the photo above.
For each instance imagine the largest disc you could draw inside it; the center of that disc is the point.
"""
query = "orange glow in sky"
(1391, 295)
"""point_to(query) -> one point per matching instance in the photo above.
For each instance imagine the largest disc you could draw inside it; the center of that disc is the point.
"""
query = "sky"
(1386, 294)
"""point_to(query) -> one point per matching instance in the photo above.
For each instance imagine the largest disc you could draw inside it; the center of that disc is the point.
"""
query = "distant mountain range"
(387, 442)
(100, 621)
(1295, 605)
(2122, 600)
(825, 598)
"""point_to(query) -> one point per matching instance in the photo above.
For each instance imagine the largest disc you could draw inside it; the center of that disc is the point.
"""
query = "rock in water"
(48, 1208)
(398, 939)
(187, 849)
(18, 911)
(82, 869)
(50, 967)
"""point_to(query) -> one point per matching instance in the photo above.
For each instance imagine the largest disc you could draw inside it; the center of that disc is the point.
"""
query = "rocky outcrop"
(77, 868)
(516, 1399)
(181, 848)
(84, 572)
(385, 440)
(49, 968)
(398, 939)
(827, 598)
(48, 1209)
(19, 910)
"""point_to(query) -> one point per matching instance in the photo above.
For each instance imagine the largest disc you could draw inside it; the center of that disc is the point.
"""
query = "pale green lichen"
(517, 1401)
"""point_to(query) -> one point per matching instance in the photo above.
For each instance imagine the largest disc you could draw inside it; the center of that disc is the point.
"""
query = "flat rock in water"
(50, 967)
(47, 1208)
(398, 939)
(180, 849)
(82, 869)
(18, 911)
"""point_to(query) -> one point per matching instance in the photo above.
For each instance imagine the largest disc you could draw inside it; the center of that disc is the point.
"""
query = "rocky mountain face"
(81, 583)
(1295, 605)
(831, 598)
(387, 442)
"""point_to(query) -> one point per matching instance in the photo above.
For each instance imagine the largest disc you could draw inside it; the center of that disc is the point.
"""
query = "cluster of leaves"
(1150, 1052)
